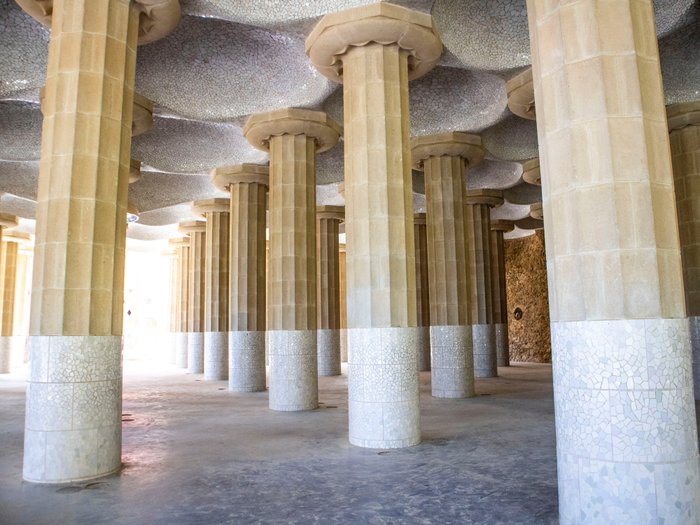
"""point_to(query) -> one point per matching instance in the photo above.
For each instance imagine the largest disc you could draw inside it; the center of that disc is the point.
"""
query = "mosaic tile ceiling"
(228, 59)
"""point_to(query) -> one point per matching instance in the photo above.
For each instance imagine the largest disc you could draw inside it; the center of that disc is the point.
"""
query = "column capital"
(192, 226)
(177, 242)
(491, 198)
(683, 114)
(502, 225)
(261, 127)
(379, 23)
(531, 171)
(223, 178)
(536, 211)
(20, 238)
(7, 220)
(330, 212)
(419, 218)
(521, 95)
(451, 144)
(134, 171)
(158, 17)
(217, 205)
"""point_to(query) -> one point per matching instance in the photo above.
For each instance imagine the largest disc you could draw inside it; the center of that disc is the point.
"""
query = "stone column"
(8, 279)
(182, 284)
(293, 137)
(498, 289)
(197, 230)
(443, 159)
(328, 219)
(73, 418)
(216, 283)
(375, 50)
(478, 206)
(684, 126)
(627, 449)
(343, 305)
(247, 184)
(422, 295)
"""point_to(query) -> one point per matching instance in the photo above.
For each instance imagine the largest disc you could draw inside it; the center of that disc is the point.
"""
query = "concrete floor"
(194, 453)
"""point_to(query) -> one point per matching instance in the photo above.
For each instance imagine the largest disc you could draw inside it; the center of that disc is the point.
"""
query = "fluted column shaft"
(328, 219)
(77, 297)
(343, 304)
(8, 283)
(420, 235)
(182, 300)
(498, 290)
(247, 184)
(195, 294)
(627, 449)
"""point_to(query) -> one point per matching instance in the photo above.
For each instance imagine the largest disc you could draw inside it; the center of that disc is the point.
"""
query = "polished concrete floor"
(194, 453)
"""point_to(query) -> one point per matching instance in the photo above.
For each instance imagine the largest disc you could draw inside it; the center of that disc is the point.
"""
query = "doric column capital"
(490, 198)
(21, 238)
(192, 226)
(419, 218)
(222, 178)
(134, 171)
(330, 212)
(178, 242)
(379, 23)
(531, 171)
(451, 144)
(682, 115)
(521, 95)
(7, 220)
(218, 205)
(158, 17)
(261, 127)
(536, 211)
(502, 225)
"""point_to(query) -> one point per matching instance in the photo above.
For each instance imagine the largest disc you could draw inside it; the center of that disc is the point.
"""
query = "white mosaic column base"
(502, 346)
(343, 345)
(73, 428)
(451, 361)
(694, 323)
(195, 352)
(215, 356)
(6, 347)
(246, 361)
(293, 370)
(627, 448)
(181, 349)
(485, 360)
(383, 387)
(423, 348)
(328, 344)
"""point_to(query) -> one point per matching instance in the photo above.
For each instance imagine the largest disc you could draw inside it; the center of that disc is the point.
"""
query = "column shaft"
(422, 294)
(627, 449)
(343, 305)
(498, 291)
(195, 301)
(8, 278)
(182, 299)
(73, 422)
(328, 333)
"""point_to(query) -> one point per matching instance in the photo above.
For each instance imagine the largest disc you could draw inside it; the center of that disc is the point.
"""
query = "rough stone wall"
(526, 288)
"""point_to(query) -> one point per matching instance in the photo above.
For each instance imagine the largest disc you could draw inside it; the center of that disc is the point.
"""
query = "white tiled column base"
(423, 348)
(246, 361)
(383, 387)
(195, 352)
(328, 342)
(484, 336)
(181, 349)
(694, 323)
(293, 370)
(343, 345)
(215, 356)
(627, 449)
(502, 346)
(451, 361)
(74, 403)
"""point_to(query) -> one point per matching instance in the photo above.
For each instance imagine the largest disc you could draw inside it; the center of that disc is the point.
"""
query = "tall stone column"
(293, 137)
(498, 289)
(478, 214)
(328, 219)
(684, 126)
(343, 304)
(375, 50)
(443, 159)
(627, 449)
(422, 294)
(182, 284)
(8, 278)
(247, 184)
(197, 231)
(216, 283)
